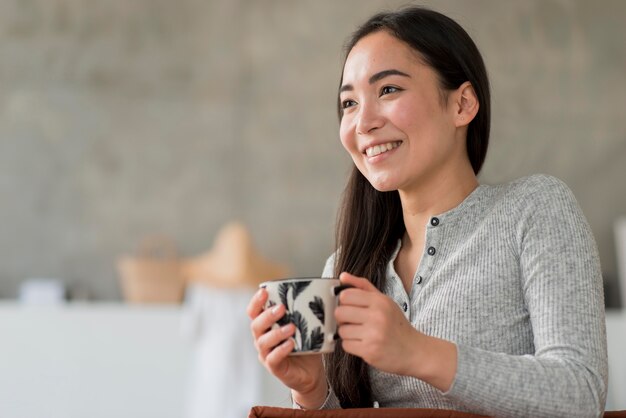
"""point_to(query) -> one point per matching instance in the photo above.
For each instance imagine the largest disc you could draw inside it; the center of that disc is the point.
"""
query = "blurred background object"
(97, 360)
(226, 376)
(42, 292)
(620, 248)
(233, 262)
(154, 274)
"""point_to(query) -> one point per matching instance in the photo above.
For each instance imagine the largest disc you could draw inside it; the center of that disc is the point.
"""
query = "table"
(112, 359)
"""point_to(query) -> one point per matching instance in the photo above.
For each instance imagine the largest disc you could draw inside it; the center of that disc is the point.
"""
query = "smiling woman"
(477, 298)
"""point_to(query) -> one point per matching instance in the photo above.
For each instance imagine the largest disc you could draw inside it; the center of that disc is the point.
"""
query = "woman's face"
(394, 126)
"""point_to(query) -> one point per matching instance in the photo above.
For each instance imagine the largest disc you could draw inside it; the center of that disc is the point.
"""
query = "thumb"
(358, 282)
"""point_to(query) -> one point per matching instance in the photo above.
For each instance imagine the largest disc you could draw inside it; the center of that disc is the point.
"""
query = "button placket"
(399, 296)
(432, 242)
(434, 221)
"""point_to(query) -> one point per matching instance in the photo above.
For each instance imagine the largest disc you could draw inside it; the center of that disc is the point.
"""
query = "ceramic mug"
(310, 304)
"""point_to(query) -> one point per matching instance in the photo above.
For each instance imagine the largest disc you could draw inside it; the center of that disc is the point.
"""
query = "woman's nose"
(369, 118)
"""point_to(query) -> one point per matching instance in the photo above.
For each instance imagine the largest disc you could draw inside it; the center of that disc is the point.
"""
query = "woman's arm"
(562, 285)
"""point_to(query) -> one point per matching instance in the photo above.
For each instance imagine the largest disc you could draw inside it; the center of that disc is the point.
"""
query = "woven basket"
(154, 274)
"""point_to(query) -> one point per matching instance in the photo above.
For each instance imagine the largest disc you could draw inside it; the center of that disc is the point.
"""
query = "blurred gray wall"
(120, 119)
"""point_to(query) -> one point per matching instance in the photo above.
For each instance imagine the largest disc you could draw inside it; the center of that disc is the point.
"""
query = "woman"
(477, 298)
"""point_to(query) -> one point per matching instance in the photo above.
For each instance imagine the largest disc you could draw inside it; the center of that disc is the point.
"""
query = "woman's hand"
(303, 374)
(372, 326)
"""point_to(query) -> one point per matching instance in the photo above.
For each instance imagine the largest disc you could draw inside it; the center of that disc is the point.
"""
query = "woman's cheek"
(402, 116)
(346, 136)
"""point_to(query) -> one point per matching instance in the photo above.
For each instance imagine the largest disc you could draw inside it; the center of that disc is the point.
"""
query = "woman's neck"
(434, 197)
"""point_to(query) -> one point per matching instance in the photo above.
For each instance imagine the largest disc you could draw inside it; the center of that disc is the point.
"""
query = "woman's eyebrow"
(386, 73)
(376, 77)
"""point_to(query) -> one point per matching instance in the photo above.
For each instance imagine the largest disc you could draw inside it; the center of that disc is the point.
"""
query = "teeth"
(379, 149)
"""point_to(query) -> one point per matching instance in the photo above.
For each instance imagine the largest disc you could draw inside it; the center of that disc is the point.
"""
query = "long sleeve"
(512, 277)
(562, 289)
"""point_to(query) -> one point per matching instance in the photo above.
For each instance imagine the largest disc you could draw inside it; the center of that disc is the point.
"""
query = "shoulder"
(538, 199)
(329, 266)
(535, 190)
(537, 183)
(544, 202)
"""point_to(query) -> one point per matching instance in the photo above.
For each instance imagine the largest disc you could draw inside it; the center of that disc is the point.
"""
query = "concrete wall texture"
(123, 119)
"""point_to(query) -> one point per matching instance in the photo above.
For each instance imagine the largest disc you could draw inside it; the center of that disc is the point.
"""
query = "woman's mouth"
(381, 148)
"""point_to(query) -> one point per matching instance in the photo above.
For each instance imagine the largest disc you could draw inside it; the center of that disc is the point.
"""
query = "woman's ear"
(465, 105)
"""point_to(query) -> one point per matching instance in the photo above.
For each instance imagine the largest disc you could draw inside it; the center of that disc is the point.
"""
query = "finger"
(351, 332)
(266, 319)
(255, 307)
(278, 355)
(266, 342)
(355, 297)
(351, 346)
(358, 282)
(350, 314)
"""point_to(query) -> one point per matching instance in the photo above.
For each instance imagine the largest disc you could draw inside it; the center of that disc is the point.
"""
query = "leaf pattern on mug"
(298, 287)
(283, 290)
(304, 341)
(286, 319)
(317, 307)
(317, 339)
(302, 331)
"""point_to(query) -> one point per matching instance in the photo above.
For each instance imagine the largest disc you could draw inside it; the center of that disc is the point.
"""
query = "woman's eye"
(347, 103)
(388, 89)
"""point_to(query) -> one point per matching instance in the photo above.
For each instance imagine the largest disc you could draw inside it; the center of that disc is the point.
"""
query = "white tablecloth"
(226, 376)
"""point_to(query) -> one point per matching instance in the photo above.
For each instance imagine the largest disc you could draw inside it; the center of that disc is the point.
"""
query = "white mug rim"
(295, 279)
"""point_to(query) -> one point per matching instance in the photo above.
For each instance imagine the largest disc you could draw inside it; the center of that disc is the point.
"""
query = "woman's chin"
(381, 181)
(384, 186)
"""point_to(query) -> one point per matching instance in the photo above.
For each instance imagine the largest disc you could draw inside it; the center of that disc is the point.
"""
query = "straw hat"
(232, 262)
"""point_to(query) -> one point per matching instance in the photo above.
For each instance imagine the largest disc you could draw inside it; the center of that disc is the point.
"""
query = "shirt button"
(434, 221)
(431, 251)
(418, 279)
(405, 306)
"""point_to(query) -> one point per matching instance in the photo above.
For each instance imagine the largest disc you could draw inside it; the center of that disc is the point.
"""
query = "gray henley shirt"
(512, 277)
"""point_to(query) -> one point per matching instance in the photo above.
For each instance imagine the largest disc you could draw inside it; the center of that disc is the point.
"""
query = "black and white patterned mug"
(310, 304)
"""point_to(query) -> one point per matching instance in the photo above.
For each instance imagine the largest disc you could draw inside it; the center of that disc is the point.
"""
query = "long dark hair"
(371, 222)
